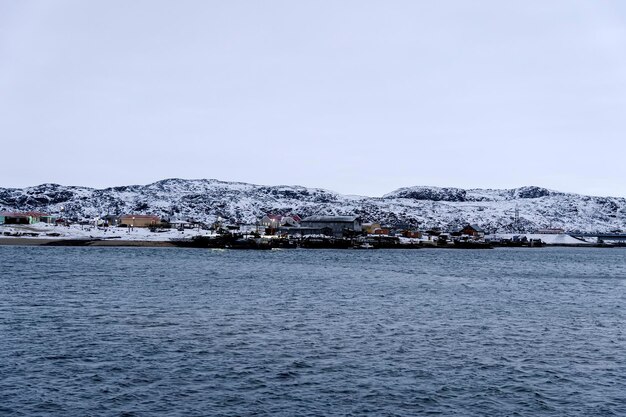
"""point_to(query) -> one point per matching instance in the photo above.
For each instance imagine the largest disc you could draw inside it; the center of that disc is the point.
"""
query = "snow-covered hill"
(421, 206)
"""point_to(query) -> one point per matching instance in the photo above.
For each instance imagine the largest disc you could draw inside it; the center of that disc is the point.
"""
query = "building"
(274, 221)
(271, 221)
(179, 224)
(305, 231)
(111, 220)
(28, 217)
(472, 230)
(338, 225)
(139, 220)
(413, 234)
(370, 228)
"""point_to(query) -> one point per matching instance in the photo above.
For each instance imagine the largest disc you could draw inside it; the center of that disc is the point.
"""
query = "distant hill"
(421, 206)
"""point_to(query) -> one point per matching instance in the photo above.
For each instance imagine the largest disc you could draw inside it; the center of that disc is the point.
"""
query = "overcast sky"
(360, 97)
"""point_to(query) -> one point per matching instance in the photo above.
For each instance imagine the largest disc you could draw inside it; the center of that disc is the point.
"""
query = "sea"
(195, 332)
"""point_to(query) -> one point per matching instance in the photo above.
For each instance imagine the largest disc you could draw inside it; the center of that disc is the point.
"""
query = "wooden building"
(472, 230)
(139, 220)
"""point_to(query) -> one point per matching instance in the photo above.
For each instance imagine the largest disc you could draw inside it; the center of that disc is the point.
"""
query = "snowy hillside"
(425, 207)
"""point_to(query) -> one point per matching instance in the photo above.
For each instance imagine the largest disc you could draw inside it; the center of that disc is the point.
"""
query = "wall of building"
(138, 221)
(337, 227)
(19, 220)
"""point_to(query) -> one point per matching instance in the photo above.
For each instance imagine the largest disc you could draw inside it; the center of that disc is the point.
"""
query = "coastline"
(22, 241)
(112, 243)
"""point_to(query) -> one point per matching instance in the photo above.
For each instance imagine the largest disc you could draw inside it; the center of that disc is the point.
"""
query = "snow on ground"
(428, 207)
(49, 231)
(75, 231)
(548, 239)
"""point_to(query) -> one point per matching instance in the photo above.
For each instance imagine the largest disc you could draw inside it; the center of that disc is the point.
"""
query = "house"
(179, 224)
(339, 225)
(292, 220)
(47, 218)
(273, 221)
(370, 228)
(111, 220)
(139, 220)
(276, 222)
(413, 234)
(472, 230)
(29, 217)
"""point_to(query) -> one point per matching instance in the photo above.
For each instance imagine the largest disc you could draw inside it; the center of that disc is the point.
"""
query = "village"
(268, 232)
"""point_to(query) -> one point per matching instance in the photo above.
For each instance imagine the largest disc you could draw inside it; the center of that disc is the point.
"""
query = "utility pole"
(516, 221)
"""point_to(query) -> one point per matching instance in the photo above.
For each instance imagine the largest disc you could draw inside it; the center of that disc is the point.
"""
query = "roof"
(278, 217)
(331, 219)
(139, 216)
(475, 227)
(23, 214)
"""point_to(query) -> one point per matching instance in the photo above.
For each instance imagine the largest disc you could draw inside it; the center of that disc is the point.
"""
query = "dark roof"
(139, 216)
(330, 219)
(474, 227)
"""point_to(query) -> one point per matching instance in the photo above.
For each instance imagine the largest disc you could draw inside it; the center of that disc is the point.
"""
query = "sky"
(359, 97)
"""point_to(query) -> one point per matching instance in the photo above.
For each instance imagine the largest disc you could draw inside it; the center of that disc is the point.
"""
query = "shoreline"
(21, 241)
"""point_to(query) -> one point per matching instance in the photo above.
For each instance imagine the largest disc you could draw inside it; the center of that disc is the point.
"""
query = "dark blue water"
(170, 332)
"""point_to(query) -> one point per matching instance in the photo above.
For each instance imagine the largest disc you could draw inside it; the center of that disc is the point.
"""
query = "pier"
(616, 237)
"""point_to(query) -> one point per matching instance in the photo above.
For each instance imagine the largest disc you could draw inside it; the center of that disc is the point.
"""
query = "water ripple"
(144, 332)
